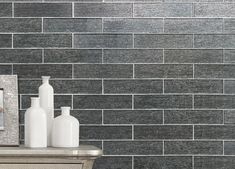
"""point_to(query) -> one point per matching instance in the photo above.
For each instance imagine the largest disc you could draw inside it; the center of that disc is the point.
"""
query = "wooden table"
(82, 157)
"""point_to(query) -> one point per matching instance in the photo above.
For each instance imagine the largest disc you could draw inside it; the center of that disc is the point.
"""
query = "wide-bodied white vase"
(35, 125)
(46, 95)
(65, 131)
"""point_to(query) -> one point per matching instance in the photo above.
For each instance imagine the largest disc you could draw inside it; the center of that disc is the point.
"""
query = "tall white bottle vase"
(35, 125)
(65, 131)
(46, 95)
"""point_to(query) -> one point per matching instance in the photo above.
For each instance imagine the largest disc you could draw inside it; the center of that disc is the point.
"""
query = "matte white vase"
(46, 95)
(65, 131)
(35, 125)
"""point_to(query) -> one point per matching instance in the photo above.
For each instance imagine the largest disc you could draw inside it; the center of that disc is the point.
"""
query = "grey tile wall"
(152, 82)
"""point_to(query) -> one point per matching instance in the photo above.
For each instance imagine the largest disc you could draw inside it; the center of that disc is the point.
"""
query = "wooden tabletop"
(82, 150)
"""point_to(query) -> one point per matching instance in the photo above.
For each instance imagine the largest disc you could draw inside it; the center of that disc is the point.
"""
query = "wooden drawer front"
(40, 166)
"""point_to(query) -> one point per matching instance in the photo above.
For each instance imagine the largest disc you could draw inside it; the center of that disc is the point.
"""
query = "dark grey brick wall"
(151, 81)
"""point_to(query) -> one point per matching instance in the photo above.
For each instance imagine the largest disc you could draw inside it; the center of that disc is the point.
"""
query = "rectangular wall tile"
(103, 41)
(5, 9)
(105, 132)
(163, 10)
(163, 132)
(193, 116)
(229, 86)
(162, 101)
(133, 56)
(193, 86)
(193, 147)
(5, 41)
(210, 162)
(20, 25)
(133, 117)
(42, 40)
(72, 25)
(72, 56)
(229, 116)
(133, 86)
(133, 25)
(163, 71)
(215, 71)
(102, 101)
(43, 10)
(163, 41)
(214, 10)
(214, 41)
(229, 25)
(102, 10)
(229, 56)
(20, 56)
(193, 56)
(103, 71)
(38, 70)
(229, 148)
(5, 69)
(214, 101)
(111, 162)
(130, 147)
(214, 132)
(193, 25)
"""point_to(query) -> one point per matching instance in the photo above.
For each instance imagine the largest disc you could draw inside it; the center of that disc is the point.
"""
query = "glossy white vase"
(35, 125)
(65, 131)
(46, 95)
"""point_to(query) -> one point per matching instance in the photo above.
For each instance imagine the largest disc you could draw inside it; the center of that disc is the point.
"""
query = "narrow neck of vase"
(45, 79)
(65, 111)
(35, 102)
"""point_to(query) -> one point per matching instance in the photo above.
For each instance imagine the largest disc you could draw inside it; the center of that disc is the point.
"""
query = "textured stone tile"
(72, 25)
(72, 56)
(214, 41)
(103, 71)
(215, 71)
(5, 41)
(103, 41)
(214, 10)
(94, 143)
(133, 117)
(193, 147)
(5, 10)
(133, 25)
(193, 25)
(133, 147)
(229, 86)
(163, 71)
(193, 116)
(113, 163)
(229, 148)
(229, 56)
(5, 69)
(42, 40)
(193, 86)
(163, 41)
(105, 132)
(60, 100)
(102, 10)
(162, 101)
(133, 56)
(214, 101)
(193, 56)
(38, 70)
(163, 132)
(133, 86)
(229, 25)
(163, 10)
(187, 1)
(102, 101)
(20, 25)
(218, 162)
(62, 86)
(133, 1)
(169, 162)
(43, 10)
(214, 132)
(20, 56)
(229, 116)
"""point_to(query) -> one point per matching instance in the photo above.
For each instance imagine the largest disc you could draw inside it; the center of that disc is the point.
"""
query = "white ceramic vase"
(65, 131)
(46, 95)
(35, 125)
